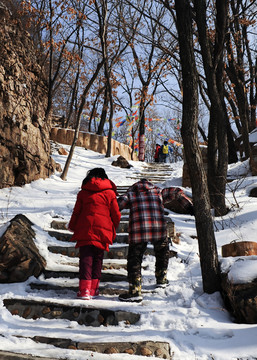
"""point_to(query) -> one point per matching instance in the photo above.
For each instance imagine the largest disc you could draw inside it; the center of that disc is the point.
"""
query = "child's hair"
(165, 142)
(95, 173)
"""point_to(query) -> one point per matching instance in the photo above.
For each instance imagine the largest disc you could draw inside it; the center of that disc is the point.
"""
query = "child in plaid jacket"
(147, 224)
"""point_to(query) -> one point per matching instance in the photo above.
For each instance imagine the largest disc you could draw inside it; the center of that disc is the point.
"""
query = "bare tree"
(78, 119)
(212, 57)
(241, 69)
(204, 225)
(150, 64)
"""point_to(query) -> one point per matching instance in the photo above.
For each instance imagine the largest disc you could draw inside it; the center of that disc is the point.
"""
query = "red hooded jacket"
(96, 214)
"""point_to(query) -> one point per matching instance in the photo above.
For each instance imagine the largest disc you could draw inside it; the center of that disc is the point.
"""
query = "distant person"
(157, 153)
(165, 151)
(94, 221)
(147, 224)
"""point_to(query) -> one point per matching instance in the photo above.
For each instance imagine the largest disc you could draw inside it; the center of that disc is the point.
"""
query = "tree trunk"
(78, 119)
(104, 113)
(204, 225)
(242, 104)
(212, 56)
(73, 97)
(109, 141)
(141, 150)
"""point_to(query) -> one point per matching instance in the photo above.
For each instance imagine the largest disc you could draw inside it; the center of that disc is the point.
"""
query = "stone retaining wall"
(92, 142)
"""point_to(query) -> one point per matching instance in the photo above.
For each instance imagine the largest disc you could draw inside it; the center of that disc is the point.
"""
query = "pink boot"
(95, 287)
(84, 289)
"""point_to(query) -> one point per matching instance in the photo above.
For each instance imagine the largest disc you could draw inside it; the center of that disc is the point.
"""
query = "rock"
(129, 351)
(24, 130)
(111, 350)
(19, 256)
(62, 151)
(240, 300)
(58, 167)
(88, 316)
(253, 192)
(122, 163)
(8, 355)
(145, 351)
(176, 207)
(148, 348)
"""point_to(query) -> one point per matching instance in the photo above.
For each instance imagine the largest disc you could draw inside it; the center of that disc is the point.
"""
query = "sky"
(196, 325)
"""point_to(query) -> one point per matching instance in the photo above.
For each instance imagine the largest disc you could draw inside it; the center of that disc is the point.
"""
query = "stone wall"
(92, 142)
(24, 133)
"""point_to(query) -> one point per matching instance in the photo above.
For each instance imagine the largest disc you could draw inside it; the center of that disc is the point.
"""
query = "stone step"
(70, 251)
(158, 172)
(114, 253)
(109, 289)
(58, 289)
(8, 355)
(106, 265)
(152, 179)
(66, 236)
(123, 226)
(122, 189)
(157, 165)
(158, 349)
(61, 225)
(152, 175)
(121, 236)
(113, 266)
(84, 315)
(120, 252)
(105, 276)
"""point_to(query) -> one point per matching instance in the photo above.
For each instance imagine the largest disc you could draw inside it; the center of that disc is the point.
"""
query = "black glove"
(190, 209)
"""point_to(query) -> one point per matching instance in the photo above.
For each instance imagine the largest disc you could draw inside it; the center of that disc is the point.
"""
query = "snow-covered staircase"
(53, 295)
(154, 172)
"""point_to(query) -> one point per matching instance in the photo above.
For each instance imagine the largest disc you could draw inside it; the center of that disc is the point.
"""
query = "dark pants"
(135, 257)
(90, 262)
(164, 158)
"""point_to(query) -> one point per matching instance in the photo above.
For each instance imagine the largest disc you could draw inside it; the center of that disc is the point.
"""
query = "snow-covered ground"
(196, 324)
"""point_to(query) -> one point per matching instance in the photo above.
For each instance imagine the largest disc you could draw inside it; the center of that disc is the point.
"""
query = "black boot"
(161, 279)
(134, 293)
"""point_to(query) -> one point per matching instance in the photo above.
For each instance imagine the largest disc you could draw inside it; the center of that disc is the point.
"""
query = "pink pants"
(90, 262)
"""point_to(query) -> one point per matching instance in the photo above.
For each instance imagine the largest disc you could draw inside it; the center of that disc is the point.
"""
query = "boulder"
(62, 151)
(253, 192)
(19, 256)
(122, 163)
(176, 207)
(240, 300)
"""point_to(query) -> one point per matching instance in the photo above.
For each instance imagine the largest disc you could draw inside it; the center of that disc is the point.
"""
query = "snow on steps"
(54, 283)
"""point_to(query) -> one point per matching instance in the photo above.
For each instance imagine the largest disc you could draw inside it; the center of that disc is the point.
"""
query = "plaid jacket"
(146, 219)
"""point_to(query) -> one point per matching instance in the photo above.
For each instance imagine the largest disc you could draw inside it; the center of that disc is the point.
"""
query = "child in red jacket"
(94, 221)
